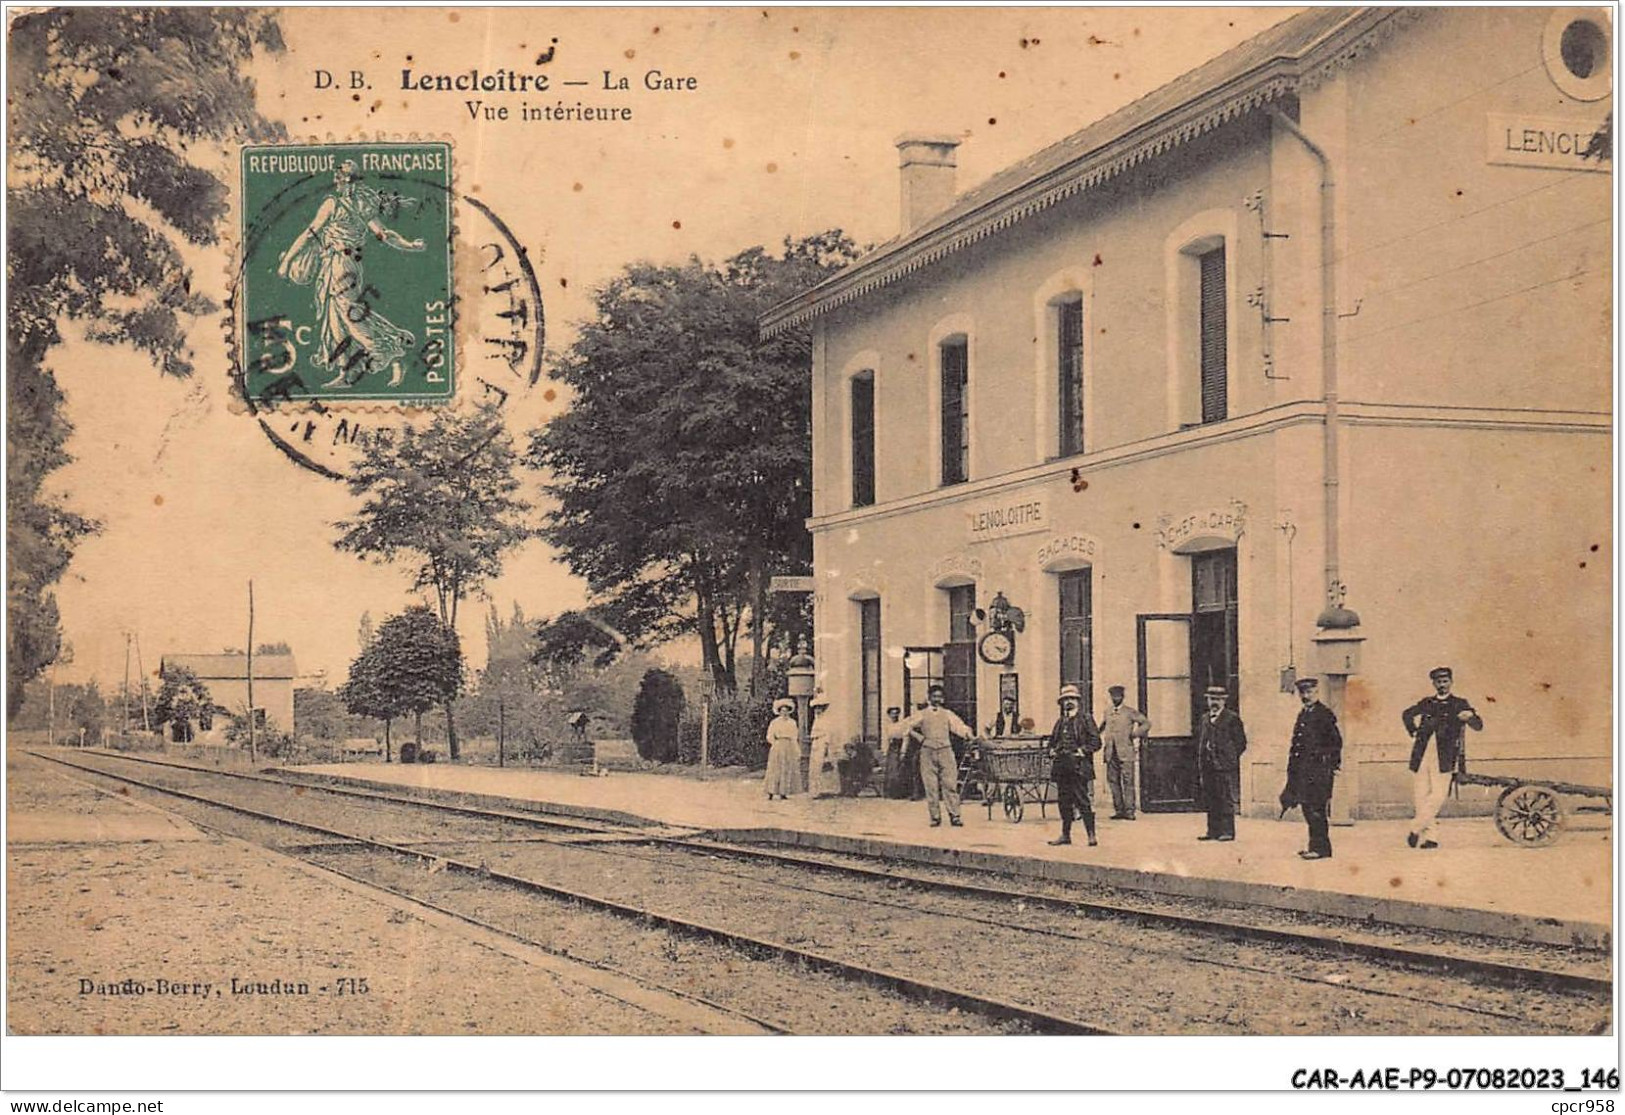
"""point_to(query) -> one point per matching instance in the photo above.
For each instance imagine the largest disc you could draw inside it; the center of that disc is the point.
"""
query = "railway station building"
(1300, 364)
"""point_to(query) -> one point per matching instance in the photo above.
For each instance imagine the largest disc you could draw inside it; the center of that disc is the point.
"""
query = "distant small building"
(226, 677)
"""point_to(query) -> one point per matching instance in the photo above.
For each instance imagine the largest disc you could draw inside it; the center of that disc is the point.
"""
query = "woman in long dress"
(354, 338)
(823, 775)
(783, 751)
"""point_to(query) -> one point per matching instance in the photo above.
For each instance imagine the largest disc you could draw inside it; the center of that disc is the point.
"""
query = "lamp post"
(801, 674)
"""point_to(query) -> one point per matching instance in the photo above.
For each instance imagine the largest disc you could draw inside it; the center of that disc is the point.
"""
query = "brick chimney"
(928, 165)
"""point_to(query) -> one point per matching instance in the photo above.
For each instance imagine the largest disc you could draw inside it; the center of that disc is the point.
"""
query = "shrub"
(655, 716)
(738, 728)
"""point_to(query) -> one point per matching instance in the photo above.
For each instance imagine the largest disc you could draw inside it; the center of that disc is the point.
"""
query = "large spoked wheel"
(1013, 808)
(1530, 816)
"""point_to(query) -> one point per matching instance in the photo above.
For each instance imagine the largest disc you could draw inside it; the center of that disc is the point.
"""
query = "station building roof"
(1295, 53)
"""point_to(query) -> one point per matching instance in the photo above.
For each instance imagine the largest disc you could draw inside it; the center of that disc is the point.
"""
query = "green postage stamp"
(346, 289)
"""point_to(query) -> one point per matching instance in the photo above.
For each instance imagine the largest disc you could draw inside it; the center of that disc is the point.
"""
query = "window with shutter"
(955, 415)
(1077, 656)
(863, 439)
(1069, 367)
(869, 656)
(959, 656)
(1214, 336)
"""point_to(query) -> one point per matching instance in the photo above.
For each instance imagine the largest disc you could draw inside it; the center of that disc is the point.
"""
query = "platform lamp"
(801, 675)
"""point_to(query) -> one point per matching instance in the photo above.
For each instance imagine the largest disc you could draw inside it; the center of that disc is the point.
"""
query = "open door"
(1168, 756)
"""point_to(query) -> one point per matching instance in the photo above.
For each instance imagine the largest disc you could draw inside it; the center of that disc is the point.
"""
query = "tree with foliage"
(572, 639)
(104, 105)
(320, 714)
(183, 700)
(657, 715)
(445, 498)
(682, 470)
(366, 692)
(415, 663)
(512, 696)
(87, 712)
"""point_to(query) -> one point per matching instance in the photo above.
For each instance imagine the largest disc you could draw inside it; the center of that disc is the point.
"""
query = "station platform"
(1475, 882)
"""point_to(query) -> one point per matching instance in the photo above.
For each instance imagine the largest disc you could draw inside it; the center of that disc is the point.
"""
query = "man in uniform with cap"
(936, 727)
(1316, 755)
(1438, 718)
(1220, 740)
(1072, 746)
(1119, 728)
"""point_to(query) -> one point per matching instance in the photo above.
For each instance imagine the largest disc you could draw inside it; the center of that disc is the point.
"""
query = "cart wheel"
(1529, 815)
(1012, 804)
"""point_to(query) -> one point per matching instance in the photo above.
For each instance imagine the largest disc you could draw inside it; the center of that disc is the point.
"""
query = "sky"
(789, 130)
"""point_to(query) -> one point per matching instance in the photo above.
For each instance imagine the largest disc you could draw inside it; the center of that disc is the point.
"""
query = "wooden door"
(1168, 756)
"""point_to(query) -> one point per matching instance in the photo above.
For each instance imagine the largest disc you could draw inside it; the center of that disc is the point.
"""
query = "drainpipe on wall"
(1334, 616)
(1337, 642)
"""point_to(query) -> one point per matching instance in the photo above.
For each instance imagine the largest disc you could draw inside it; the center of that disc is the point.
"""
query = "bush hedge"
(738, 729)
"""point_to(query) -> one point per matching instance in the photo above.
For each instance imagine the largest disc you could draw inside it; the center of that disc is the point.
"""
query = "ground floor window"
(922, 668)
(959, 656)
(869, 655)
(1077, 651)
(1215, 646)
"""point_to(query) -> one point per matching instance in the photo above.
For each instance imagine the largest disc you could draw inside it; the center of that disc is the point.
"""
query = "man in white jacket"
(935, 726)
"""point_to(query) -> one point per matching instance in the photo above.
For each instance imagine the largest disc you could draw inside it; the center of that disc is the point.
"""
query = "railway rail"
(1309, 960)
(1035, 1021)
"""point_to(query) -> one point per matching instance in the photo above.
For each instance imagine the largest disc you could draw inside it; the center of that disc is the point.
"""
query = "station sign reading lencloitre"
(1007, 518)
(1543, 141)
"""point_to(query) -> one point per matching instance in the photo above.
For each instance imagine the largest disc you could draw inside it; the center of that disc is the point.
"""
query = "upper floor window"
(863, 439)
(954, 356)
(1213, 335)
(1069, 375)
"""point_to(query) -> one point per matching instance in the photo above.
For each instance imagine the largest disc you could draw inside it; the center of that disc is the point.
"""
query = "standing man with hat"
(1119, 728)
(936, 727)
(1220, 740)
(1317, 754)
(1072, 746)
(1438, 718)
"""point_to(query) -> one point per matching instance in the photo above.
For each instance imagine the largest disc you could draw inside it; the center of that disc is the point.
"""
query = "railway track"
(1342, 944)
(938, 995)
(1183, 938)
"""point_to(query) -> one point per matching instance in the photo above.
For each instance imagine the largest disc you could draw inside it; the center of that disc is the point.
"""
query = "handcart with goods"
(1531, 812)
(1012, 772)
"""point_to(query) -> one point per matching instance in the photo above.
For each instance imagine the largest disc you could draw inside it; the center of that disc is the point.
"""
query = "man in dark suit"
(1220, 740)
(1442, 719)
(1317, 753)
(1072, 746)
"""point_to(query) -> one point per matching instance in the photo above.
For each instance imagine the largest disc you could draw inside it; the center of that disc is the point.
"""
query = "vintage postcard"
(830, 521)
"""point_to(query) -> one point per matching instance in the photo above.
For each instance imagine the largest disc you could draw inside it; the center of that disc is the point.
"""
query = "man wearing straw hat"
(935, 726)
(1220, 740)
(1072, 746)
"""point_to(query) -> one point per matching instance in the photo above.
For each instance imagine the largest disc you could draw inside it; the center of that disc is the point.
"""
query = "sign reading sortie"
(1025, 515)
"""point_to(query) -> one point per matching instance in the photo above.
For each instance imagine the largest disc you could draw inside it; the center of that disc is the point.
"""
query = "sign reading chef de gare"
(1021, 515)
(1541, 141)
